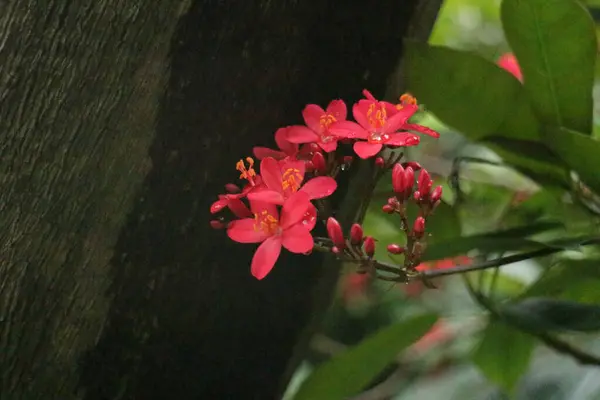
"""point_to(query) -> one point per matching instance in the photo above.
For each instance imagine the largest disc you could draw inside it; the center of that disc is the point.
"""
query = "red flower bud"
(319, 163)
(417, 195)
(398, 182)
(436, 194)
(419, 227)
(356, 234)
(216, 224)
(309, 166)
(380, 162)
(314, 148)
(409, 181)
(387, 209)
(334, 230)
(395, 248)
(369, 246)
(413, 164)
(335, 250)
(348, 160)
(424, 183)
(232, 188)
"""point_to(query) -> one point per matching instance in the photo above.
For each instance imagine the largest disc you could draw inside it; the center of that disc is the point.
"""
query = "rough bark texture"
(119, 123)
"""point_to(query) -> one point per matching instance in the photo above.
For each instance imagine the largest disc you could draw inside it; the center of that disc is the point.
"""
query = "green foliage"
(346, 374)
(555, 43)
(503, 354)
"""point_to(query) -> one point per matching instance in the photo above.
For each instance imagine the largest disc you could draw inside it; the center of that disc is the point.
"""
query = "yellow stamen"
(266, 222)
(376, 115)
(246, 173)
(291, 179)
(326, 120)
(406, 99)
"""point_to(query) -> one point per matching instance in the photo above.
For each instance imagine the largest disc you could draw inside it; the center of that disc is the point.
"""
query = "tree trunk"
(119, 123)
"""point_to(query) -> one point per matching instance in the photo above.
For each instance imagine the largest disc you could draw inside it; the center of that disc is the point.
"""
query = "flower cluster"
(279, 205)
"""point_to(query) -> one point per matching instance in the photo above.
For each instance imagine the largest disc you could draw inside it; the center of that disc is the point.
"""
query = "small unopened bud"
(409, 181)
(392, 201)
(335, 250)
(356, 234)
(395, 248)
(398, 178)
(347, 160)
(319, 163)
(413, 164)
(334, 231)
(369, 246)
(379, 162)
(216, 224)
(424, 183)
(436, 194)
(417, 195)
(387, 209)
(419, 227)
(314, 148)
(309, 166)
(232, 188)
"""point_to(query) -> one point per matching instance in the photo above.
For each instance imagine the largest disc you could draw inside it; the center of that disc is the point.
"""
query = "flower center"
(326, 120)
(246, 173)
(406, 99)
(376, 115)
(377, 138)
(291, 180)
(265, 222)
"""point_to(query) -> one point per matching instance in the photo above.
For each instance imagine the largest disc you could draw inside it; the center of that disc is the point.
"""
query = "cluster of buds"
(280, 206)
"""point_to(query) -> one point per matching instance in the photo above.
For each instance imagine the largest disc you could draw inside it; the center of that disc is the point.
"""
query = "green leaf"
(546, 314)
(555, 44)
(347, 373)
(469, 93)
(578, 151)
(503, 354)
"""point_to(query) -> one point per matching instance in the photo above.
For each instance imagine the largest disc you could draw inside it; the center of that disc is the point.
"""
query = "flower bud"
(335, 250)
(436, 194)
(413, 164)
(409, 181)
(387, 209)
(417, 196)
(356, 234)
(334, 231)
(232, 188)
(398, 178)
(318, 161)
(419, 227)
(369, 246)
(314, 148)
(425, 183)
(395, 248)
(216, 224)
(309, 166)
(379, 162)
(347, 160)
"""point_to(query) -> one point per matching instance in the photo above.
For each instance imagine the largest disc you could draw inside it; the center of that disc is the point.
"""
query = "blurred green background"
(447, 364)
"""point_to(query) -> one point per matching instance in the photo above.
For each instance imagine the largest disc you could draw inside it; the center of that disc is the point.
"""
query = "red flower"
(274, 231)
(509, 63)
(284, 178)
(318, 122)
(377, 124)
(286, 149)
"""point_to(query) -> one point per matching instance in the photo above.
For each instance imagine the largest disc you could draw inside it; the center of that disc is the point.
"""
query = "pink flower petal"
(338, 109)
(366, 150)
(329, 146)
(301, 134)
(238, 208)
(244, 231)
(270, 173)
(348, 129)
(218, 205)
(368, 95)
(258, 207)
(400, 118)
(359, 110)
(264, 152)
(294, 209)
(265, 257)
(509, 63)
(310, 217)
(402, 139)
(266, 196)
(312, 114)
(298, 239)
(319, 187)
(421, 129)
(284, 144)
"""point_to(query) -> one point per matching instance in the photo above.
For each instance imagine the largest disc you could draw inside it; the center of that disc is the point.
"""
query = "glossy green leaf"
(347, 373)
(580, 152)
(546, 314)
(469, 93)
(555, 44)
(503, 355)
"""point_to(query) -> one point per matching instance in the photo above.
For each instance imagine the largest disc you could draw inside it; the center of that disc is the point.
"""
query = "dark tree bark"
(119, 123)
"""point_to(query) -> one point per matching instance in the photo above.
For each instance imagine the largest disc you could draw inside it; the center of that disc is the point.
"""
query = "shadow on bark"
(187, 320)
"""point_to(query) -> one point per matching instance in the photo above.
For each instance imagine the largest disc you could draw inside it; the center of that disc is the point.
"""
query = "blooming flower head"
(274, 231)
(282, 179)
(286, 148)
(378, 123)
(317, 126)
(509, 63)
